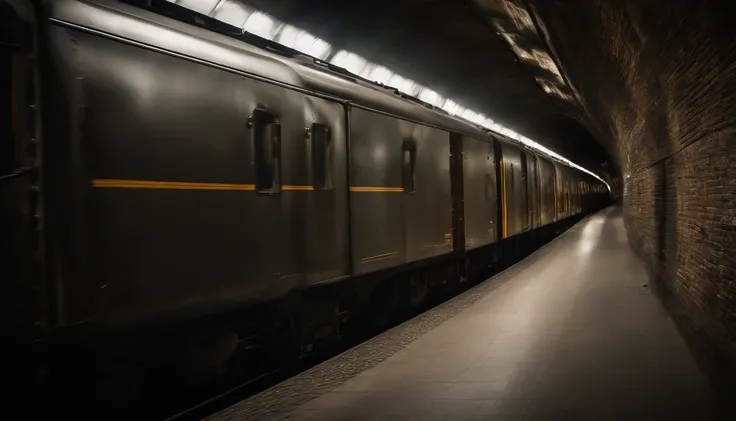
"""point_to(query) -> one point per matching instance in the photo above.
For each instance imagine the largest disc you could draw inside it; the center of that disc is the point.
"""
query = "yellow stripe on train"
(186, 185)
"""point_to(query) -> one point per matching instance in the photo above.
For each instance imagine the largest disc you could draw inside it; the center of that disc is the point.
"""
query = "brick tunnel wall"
(658, 78)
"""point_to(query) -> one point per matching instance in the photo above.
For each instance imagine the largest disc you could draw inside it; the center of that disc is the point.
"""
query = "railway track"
(256, 383)
(253, 384)
(255, 367)
(225, 398)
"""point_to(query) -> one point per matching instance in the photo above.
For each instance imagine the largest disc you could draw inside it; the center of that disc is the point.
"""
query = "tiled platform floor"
(572, 334)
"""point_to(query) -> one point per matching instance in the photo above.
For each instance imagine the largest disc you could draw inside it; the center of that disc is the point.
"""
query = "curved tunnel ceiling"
(487, 55)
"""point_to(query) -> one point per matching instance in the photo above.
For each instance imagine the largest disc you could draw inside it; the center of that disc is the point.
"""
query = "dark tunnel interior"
(646, 97)
(456, 48)
(640, 94)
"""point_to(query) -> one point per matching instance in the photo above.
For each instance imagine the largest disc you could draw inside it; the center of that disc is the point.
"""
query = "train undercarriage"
(126, 371)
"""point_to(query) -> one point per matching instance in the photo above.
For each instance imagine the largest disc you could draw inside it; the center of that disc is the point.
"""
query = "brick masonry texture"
(656, 80)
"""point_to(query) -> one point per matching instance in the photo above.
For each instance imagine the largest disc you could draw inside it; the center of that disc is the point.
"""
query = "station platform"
(570, 333)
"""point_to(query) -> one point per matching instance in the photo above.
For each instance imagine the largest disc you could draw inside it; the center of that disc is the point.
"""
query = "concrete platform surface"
(570, 333)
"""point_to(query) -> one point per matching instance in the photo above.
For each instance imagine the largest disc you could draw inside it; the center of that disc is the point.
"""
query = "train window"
(490, 187)
(408, 164)
(511, 175)
(267, 151)
(321, 157)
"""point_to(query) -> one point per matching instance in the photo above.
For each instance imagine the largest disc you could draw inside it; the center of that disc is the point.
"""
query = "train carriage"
(533, 187)
(186, 176)
(514, 191)
(400, 191)
(480, 193)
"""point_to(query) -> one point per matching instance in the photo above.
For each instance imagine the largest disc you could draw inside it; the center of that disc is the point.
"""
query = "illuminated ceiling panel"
(260, 24)
(381, 75)
(234, 12)
(303, 41)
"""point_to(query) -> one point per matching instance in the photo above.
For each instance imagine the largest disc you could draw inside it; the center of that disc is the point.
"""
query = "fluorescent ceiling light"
(232, 12)
(429, 96)
(349, 61)
(381, 74)
(287, 36)
(452, 107)
(309, 44)
(261, 24)
(405, 85)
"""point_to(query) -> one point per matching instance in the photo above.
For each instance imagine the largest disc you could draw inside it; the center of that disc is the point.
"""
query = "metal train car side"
(188, 174)
(229, 174)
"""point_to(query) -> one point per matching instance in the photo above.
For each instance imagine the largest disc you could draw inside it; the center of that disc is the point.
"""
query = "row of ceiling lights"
(258, 23)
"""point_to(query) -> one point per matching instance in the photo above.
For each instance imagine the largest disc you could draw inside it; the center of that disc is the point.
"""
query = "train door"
(536, 210)
(510, 198)
(400, 193)
(500, 189)
(555, 198)
(491, 190)
(548, 191)
(457, 189)
(514, 191)
(479, 178)
(376, 192)
(526, 202)
(521, 193)
(327, 250)
(427, 197)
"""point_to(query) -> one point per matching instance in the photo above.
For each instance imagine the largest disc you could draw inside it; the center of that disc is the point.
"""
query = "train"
(166, 172)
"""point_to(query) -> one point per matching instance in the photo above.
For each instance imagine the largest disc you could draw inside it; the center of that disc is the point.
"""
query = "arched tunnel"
(640, 92)
(126, 130)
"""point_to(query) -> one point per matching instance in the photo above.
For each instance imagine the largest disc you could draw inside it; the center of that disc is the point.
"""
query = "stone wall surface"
(658, 78)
